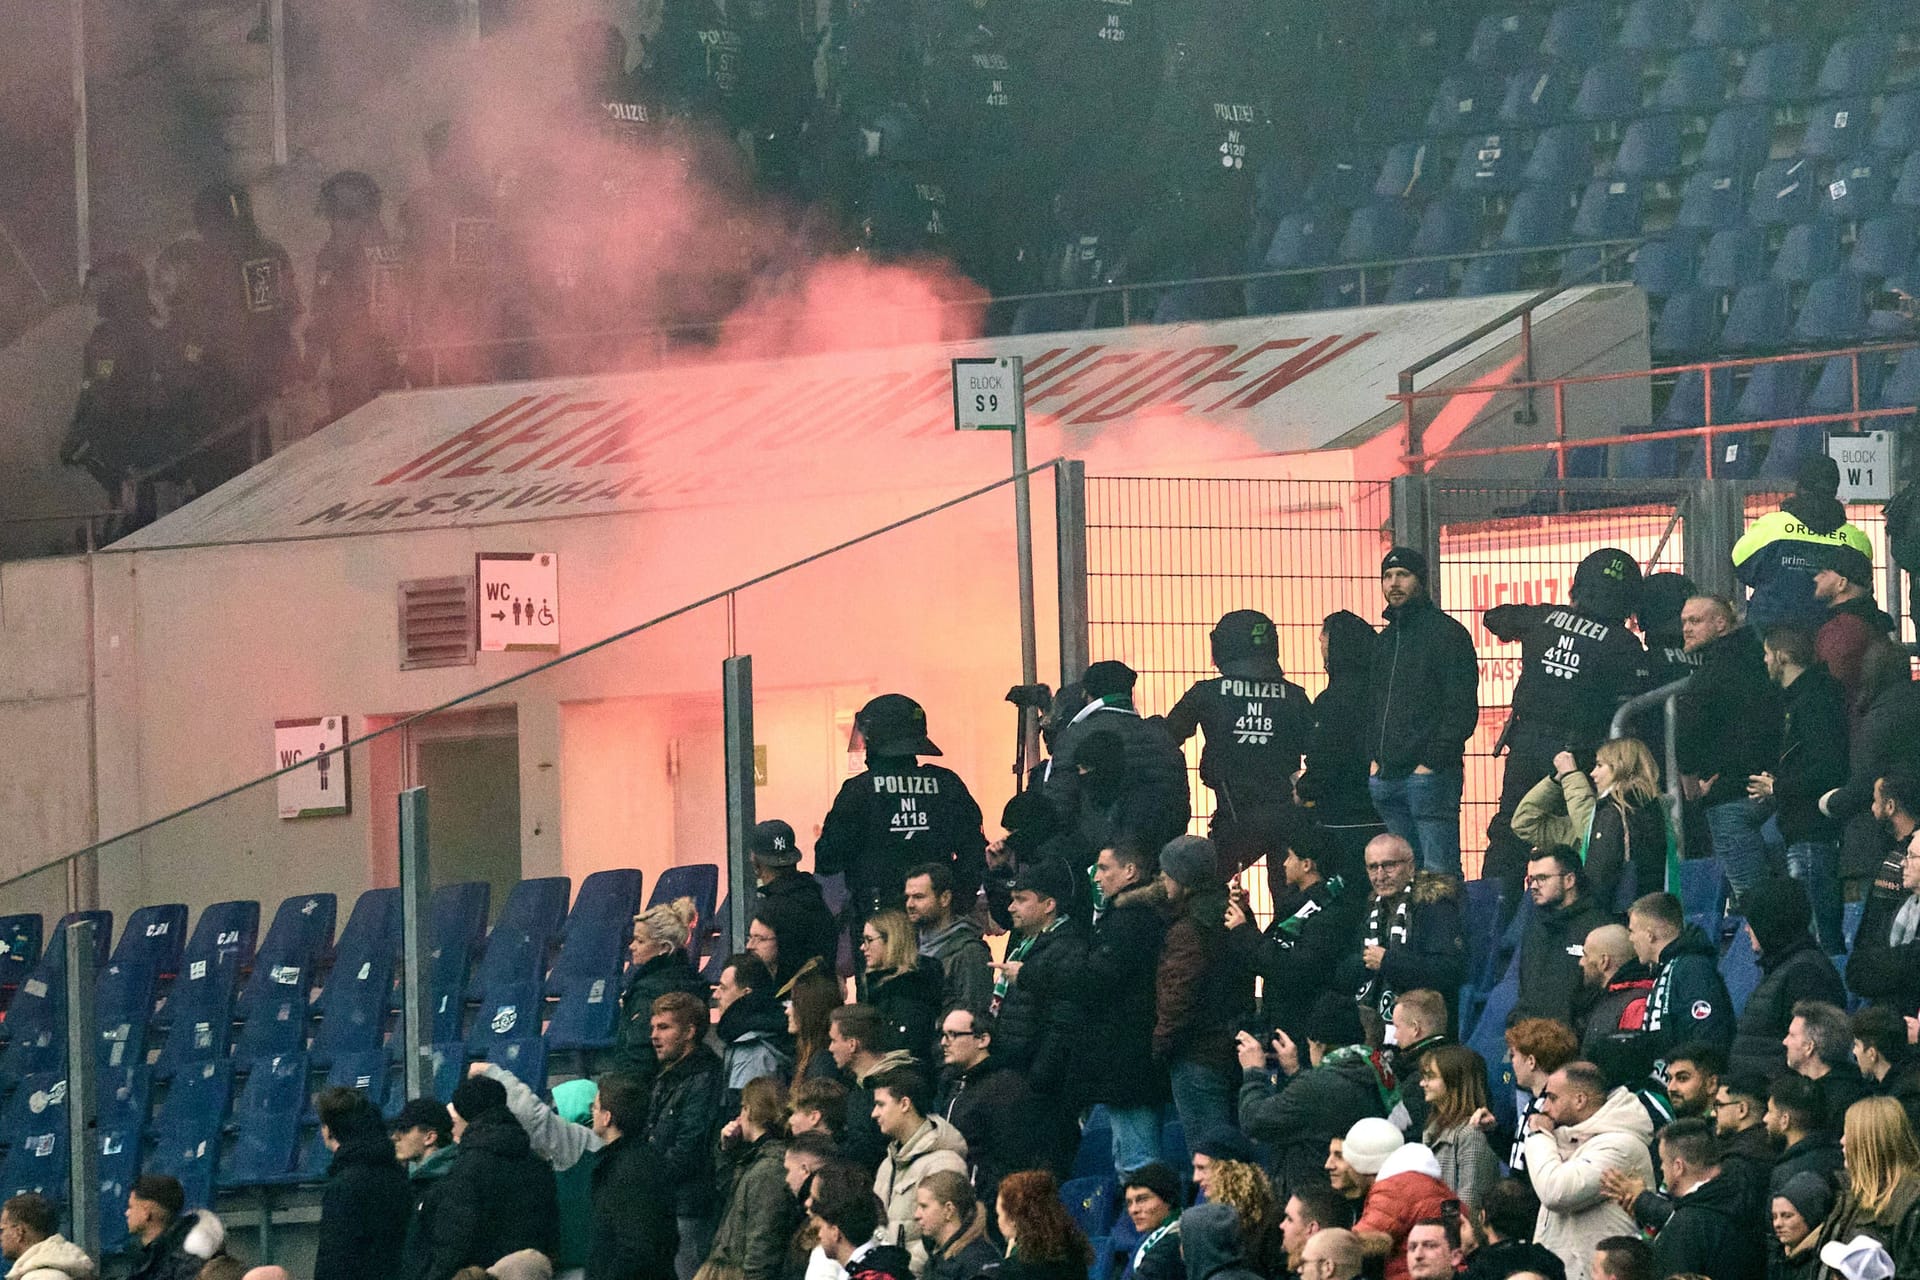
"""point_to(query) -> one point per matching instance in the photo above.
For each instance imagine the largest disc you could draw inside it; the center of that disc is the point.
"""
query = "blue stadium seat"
(1757, 319)
(186, 1129)
(525, 1057)
(1772, 391)
(1850, 914)
(1837, 128)
(1703, 894)
(1090, 1204)
(1343, 181)
(446, 1065)
(266, 1122)
(1833, 388)
(1734, 259)
(1687, 405)
(457, 921)
(19, 952)
(715, 942)
(594, 940)
(1609, 90)
(299, 937)
(1857, 189)
(1897, 128)
(123, 1011)
(587, 1011)
(367, 1073)
(154, 937)
(1688, 326)
(1535, 97)
(1809, 251)
(1562, 157)
(1093, 1157)
(1664, 267)
(1854, 64)
(1609, 210)
(1649, 460)
(525, 934)
(1463, 104)
(1783, 193)
(1653, 26)
(1503, 39)
(1410, 171)
(359, 991)
(1740, 968)
(1416, 281)
(1581, 265)
(1737, 140)
(275, 1023)
(1380, 230)
(1480, 923)
(1445, 227)
(1902, 385)
(1906, 188)
(1777, 74)
(35, 1025)
(1496, 273)
(1577, 33)
(701, 880)
(1539, 216)
(1834, 310)
(1710, 200)
(122, 1098)
(1490, 164)
(225, 934)
(1694, 83)
(1488, 1035)
(1650, 149)
(200, 1018)
(1726, 24)
(509, 1010)
(1786, 450)
(36, 1137)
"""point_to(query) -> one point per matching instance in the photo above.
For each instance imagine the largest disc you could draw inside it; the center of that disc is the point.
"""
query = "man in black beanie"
(1781, 552)
(1779, 920)
(497, 1197)
(1155, 773)
(1425, 706)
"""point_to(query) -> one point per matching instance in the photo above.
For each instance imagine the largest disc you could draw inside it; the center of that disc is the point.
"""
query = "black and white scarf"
(1389, 924)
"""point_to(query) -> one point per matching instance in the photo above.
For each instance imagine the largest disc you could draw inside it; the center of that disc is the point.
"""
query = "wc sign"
(1866, 465)
(318, 787)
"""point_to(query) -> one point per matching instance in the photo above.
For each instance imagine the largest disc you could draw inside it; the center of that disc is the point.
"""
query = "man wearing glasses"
(992, 1105)
(1410, 936)
(1564, 914)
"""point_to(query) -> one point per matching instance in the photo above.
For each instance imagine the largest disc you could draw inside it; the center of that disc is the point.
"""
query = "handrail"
(1668, 695)
(542, 667)
(1662, 371)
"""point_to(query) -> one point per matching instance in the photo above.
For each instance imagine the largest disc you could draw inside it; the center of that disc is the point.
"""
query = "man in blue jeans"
(1728, 731)
(1425, 705)
(1202, 988)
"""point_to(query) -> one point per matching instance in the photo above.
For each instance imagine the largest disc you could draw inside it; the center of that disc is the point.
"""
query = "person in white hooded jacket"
(1582, 1130)
(33, 1248)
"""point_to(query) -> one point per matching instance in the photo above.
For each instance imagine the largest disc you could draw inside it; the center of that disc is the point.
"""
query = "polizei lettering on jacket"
(1231, 688)
(889, 785)
(1572, 623)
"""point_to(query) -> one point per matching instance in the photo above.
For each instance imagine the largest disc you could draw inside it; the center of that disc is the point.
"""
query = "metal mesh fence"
(1167, 557)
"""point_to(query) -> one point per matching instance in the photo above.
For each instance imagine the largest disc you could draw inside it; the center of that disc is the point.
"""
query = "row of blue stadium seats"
(1771, 316)
(1882, 248)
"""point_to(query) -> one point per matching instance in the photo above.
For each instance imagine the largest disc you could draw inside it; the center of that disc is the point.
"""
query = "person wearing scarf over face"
(1410, 936)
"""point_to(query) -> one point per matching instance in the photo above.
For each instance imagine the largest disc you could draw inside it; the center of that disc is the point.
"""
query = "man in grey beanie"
(1202, 989)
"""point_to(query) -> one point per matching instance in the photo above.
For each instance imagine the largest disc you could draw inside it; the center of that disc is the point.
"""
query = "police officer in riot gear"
(120, 423)
(359, 295)
(899, 813)
(1579, 662)
(238, 303)
(1256, 724)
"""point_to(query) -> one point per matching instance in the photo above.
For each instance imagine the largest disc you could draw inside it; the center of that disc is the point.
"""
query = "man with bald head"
(1729, 730)
(1613, 1003)
(1331, 1253)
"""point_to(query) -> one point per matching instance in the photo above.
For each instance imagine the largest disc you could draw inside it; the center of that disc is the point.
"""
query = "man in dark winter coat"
(173, 1245)
(1854, 623)
(1038, 1020)
(1556, 934)
(366, 1205)
(634, 1233)
(1887, 1062)
(1426, 683)
(1885, 964)
(498, 1196)
(1813, 761)
(1115, 990)
(1617, 984)
(1339, 751)
(1315, 922)
(992, 1105)
(1411, 934)
(1154, 778)
(809, 927)
(1792, 967)
(683, 1113)
(1781, 552)
(1689, 1000)
(1202, 990)
(1256, 723)
(1809, 1139)
(1729, 730)
(899, 813)
(1297, 1113)
(1715, 1209)
(1578, 663)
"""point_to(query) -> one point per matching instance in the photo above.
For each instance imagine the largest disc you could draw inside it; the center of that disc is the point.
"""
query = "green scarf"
(1382, 1074)
(1019, 952)
(1294, 923)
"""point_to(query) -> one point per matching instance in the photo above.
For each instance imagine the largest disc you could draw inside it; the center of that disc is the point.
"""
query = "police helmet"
(1662, 597)
(1607, 585)
(349, 194)
(1243, 634)
(223, 208)
(894, 725)
(117, 283)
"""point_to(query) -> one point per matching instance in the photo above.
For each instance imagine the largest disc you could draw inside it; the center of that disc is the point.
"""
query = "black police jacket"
(894, 816)
(1574, 670)
(1256, 729)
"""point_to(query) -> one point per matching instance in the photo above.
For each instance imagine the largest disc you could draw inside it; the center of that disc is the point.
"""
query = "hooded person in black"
(1155, 777)
(1256, 724)
(1211, 1244)
(1578, 663)
(1793, 969)
(1334, 787)
(120, 422)
(497, 1197)
(898, 813)
(1315, 920)
(1813, 761)
(366, 1206)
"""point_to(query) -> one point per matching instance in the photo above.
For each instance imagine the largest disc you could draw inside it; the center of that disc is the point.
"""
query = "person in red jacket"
(1844, 583)
(1398, 1183)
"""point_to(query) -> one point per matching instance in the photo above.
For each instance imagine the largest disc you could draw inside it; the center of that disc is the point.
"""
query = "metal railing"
(1667, 697)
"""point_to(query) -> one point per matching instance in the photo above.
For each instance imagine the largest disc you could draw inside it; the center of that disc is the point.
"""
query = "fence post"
(1415, 525)
(416, 1011)
(1716, 516)
(83, 1151)
(736, 692)
(1070, 537)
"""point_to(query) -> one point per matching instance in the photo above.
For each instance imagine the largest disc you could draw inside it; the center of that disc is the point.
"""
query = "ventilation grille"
(437, 623)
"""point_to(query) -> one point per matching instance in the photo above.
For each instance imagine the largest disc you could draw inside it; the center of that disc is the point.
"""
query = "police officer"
(359, 295)
(238, 301)
(451, 231)
(899, 813)
(1578, 661)
(1256, 724)
(117, 426)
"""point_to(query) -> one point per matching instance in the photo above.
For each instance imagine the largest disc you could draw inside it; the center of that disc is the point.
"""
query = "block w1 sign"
(1866, 465)
(321, 789)
(519, 601)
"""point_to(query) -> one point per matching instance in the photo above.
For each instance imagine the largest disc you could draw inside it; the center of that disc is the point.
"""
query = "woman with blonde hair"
(660, 964)
(1612, 814)
(1453, 1079)
(953, 1226)
(1881, 1197)
(901, 984)
(1249, 1192)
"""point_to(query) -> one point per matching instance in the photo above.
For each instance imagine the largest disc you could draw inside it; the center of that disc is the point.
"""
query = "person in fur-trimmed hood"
(1410, 936)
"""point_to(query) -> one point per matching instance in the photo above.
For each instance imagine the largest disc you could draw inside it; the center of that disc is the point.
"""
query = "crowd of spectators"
(912, 1106)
